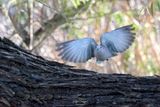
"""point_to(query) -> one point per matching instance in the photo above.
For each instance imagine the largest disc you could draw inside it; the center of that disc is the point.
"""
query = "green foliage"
(1, 2)
(157, 5)
(22, 17)
(118, 17)
(151, 67)
(77, 3)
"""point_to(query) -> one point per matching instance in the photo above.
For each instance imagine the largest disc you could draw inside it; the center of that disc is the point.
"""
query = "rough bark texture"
(27, 80)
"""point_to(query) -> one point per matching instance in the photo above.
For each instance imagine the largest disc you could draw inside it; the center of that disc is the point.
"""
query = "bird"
(111, 44)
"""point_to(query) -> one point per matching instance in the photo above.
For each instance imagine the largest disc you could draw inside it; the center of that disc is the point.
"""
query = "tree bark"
(28, 80)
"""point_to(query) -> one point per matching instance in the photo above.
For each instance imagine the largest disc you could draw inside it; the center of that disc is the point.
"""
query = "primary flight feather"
(111, 43)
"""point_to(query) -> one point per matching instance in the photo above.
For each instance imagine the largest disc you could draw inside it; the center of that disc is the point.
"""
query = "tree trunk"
(27, 80)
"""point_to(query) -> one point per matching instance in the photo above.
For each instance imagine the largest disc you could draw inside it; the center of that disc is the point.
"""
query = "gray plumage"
(111, 43)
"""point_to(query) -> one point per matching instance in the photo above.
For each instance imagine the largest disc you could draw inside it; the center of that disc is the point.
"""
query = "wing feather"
(120, 39)
(79, 50)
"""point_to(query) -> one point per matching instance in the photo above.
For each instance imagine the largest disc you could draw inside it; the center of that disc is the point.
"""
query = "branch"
(56, 21)
(19, 28)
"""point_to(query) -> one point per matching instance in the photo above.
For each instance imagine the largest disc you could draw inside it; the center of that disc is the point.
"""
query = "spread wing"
(79, 50)
(118, 40)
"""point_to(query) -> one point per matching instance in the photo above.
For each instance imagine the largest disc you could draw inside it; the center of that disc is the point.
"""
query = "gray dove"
(111, 43)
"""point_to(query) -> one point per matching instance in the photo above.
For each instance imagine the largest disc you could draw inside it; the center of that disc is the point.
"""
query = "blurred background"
(38, 25)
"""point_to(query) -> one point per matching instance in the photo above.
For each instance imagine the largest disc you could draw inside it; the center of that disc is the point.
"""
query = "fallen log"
(27, 80)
